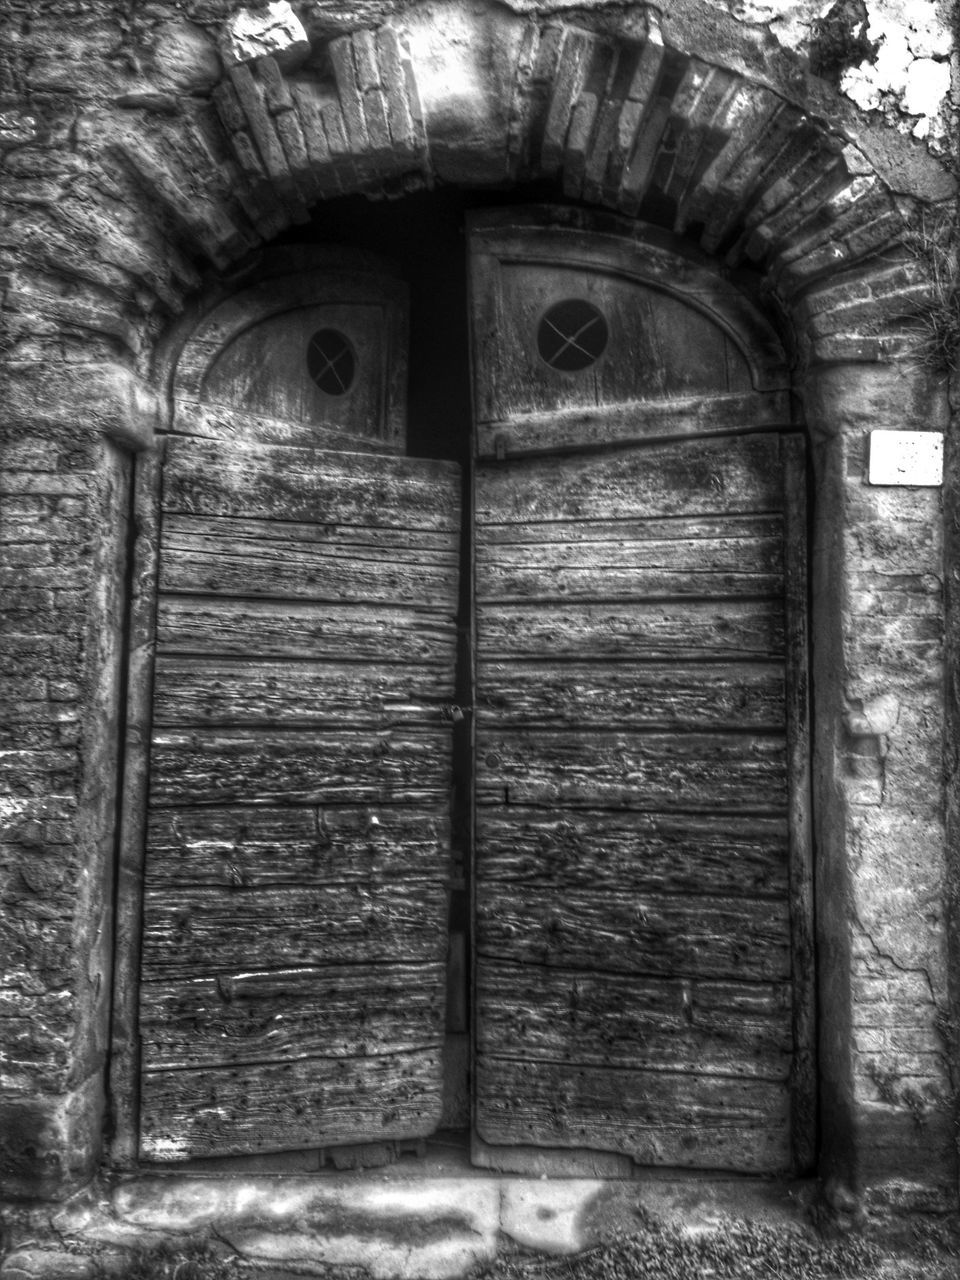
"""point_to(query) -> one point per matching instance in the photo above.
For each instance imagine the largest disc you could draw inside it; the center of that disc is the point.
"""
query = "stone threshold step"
(397, 1224)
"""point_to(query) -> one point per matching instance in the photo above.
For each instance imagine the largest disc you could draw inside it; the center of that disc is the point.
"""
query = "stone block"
(271, 30)
(105, 398)
(47, 1264)
(907, 1140)
(548, 1217)
(50, 1145)
(423, 1229)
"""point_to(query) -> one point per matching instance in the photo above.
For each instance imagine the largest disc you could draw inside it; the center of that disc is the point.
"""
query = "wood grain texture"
(658, 933)
(658, 347)
(681, 478)
(571, 538)
(629, 695)
(661, 1024)
(657, 1117)
(623, 567)
(251, 847)
(653, 771)
(192, 932)
(310, 486)
(290, 561)
(244, 427)
(404, 765)
(533, 853)
(631, 422)
(281, 1015)
(264, 367)
(196, 691)
(278, 1106)
(687, 629)
(295, 629)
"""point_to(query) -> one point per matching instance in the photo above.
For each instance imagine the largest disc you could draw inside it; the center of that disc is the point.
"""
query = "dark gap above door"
(423, 235)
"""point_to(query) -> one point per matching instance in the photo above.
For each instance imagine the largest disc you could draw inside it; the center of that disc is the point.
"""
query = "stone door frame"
(763, 165)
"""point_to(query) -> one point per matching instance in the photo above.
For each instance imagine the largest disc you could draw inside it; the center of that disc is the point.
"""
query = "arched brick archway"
(753, 167)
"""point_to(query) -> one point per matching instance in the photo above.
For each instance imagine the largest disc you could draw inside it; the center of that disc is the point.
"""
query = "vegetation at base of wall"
(740, 1251)
(926, 1249)
(197, 1260)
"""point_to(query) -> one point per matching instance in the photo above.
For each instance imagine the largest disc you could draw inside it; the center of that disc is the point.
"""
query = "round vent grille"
(331, 361)
(572, 335)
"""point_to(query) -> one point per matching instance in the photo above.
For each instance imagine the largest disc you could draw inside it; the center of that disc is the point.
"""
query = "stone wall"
(147, 152)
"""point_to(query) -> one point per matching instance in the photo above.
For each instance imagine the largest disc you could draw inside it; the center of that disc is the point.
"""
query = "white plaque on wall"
(906, 457)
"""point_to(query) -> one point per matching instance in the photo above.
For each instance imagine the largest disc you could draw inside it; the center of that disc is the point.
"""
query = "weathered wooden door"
(642, 935)
(293, 963)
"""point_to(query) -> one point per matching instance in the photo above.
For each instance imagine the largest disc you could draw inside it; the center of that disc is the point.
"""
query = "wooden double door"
(639, 976)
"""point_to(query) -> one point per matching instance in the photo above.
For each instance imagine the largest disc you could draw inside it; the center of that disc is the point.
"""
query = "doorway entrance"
(523, 753)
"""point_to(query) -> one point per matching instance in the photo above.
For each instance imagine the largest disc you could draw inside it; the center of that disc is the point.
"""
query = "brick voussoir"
(276, 92)
(865, 314)
(604, 160)
(252, 98)
(568, 82)
(858, 199)
(531, 100)
(872, 280)
(844, 348)
(372, 98)
(159, 185)
(747, 113)
(735, 195)
(309, 110)
(522, 97)
(833, 252)
(788, 220)
(354, 121)
(394, 82)
(701, 136)
(298, 158)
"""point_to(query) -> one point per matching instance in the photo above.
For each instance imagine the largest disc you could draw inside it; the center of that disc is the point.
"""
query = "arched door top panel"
(312, 351)
(588, 329)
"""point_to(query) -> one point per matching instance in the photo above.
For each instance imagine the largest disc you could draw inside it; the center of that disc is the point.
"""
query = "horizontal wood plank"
(226, 423)
(249, 766)
(193, 932)
(537, 852)
(660, 1024)
(657, 1118)
(573, 537)
(652, 771)
(280, 1015)
(195, 691)
(309, 485)
(292, 629)
(629, 695)
(687, 629)
(397, 567)
(631, 581)
(565, 565)
(656, 933)
(291, 1105)
(634, 422)
(688, 478)
(258, 847)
